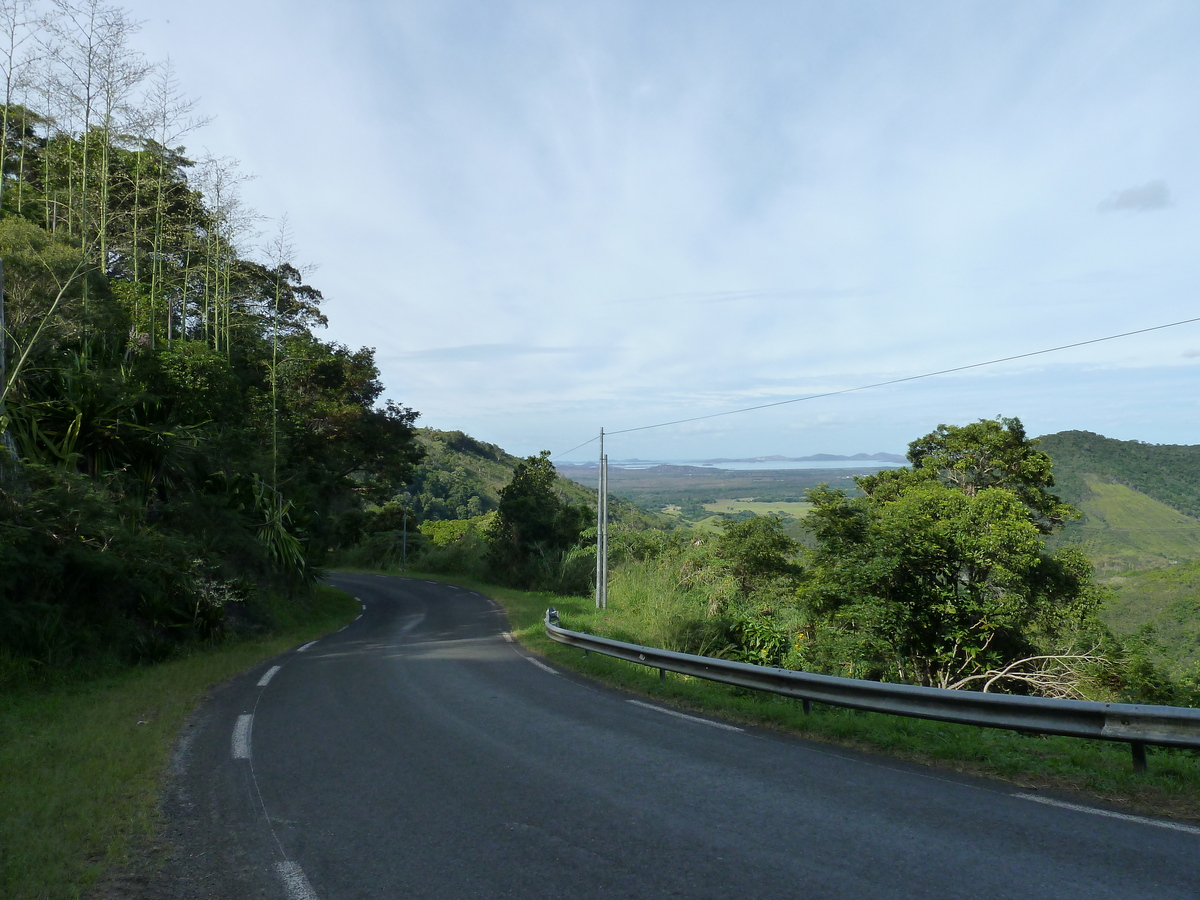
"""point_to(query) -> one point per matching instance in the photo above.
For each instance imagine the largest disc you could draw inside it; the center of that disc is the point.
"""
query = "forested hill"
(461, 477)
(176, 441)
(1169, 473)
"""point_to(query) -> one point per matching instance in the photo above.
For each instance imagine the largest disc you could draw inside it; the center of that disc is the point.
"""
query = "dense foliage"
(1170, 473)
(175, 437)
(459, 477)
(936, 574)
(535, 538)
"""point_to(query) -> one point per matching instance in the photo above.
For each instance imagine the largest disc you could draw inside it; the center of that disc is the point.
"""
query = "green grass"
(1094, 770)
(760, 508)
(81, 762)
(1123, 529)
(1167, 598)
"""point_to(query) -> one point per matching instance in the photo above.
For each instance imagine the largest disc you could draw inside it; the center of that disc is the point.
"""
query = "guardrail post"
(1139, 756)
(1129, 723)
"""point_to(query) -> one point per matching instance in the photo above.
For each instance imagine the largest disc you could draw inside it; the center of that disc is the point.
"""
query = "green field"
(795, 509)
(1123, 529)
(661, 486)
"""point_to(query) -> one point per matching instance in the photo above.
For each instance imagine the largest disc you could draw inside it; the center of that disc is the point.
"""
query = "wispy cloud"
(555, 216)
(1144, 198)
(763, 295)
(480, 352)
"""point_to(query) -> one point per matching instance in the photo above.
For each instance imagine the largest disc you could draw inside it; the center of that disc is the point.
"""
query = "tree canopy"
(535, 528)
(176, 437)
(938, 575)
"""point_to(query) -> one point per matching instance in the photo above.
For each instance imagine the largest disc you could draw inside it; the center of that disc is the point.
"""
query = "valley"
(1138, 525)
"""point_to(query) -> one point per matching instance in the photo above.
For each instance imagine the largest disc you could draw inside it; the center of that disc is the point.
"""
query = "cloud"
(480, 352)
(819, 293)
(1145, 198)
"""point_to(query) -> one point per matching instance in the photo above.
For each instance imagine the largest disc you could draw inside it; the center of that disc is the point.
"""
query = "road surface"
(419, 753)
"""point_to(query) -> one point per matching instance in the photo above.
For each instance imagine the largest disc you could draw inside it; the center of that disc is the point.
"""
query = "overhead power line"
(878, 384)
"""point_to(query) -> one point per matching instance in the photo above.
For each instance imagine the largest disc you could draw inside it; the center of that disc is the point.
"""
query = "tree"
(758, 551)
(990, 453)
(939, 575)
(534, 526)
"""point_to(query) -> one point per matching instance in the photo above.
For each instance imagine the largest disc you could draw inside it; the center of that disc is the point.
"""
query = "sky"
(552, 217)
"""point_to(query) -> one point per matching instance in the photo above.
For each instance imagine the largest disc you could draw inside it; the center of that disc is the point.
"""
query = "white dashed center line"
(540, 664)
(241, 737)
(679, 715)
(1141, 820)
(294, 882)
(267, 676)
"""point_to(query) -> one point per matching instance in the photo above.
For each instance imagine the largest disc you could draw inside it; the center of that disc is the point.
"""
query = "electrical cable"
(877, 384)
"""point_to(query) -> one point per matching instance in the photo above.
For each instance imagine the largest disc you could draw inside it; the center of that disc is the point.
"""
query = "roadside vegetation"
(180, 451)
(84, 759)
(1093, 770)
(940, 574)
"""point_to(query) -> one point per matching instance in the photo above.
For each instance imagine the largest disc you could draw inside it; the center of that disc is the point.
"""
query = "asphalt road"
(419, 753)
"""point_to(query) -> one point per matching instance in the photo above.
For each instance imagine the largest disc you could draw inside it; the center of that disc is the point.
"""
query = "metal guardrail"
(1135, 724)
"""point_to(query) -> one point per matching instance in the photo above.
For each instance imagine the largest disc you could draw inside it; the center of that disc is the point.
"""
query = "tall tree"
(534, 526)
(939, 574)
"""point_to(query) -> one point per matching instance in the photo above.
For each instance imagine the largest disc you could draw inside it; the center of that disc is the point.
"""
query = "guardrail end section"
(552, 616)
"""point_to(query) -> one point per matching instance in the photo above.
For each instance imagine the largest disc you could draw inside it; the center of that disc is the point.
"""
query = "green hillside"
(1140, 528)
(1169, 473)
(1124, 529)
(461, 477)
(1167, 598)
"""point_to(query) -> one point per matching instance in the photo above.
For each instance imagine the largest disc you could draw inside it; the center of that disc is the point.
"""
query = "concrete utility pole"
(7, 446)
(602, 531)
(3, 337)
(404, 535)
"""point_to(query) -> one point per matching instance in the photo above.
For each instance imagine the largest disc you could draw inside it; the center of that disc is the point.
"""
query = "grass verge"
(81, 762)
(1094, 770)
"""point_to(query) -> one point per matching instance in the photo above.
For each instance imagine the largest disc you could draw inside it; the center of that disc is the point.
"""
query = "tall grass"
(651, 604)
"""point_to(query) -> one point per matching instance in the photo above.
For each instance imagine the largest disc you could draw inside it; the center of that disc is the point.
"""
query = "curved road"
(419, 753)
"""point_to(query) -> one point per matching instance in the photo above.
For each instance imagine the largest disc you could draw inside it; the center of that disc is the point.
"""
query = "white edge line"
(679, 715)
(540, 664)
(294, 882)
(306, 646)
(508, 637)
(241, 736)
(267, 676)
(1141, 820)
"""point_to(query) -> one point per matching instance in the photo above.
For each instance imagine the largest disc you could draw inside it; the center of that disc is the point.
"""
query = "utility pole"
(7, 447)
(404, 535)
(602, 531)
(3, 337)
